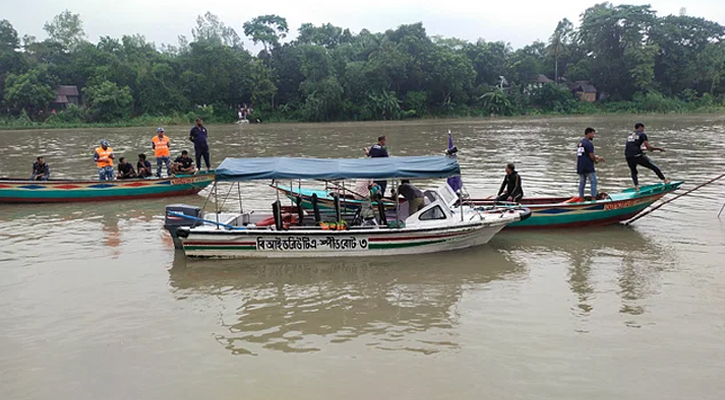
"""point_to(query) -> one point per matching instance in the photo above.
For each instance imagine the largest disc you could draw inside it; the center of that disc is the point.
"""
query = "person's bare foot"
(667, 181)
(636, 188)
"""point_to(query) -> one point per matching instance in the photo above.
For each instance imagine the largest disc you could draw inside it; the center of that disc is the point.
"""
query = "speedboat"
(443, 224)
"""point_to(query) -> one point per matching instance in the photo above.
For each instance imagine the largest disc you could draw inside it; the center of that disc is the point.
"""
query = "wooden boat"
(547, 212)
(442, 225)
(59, 191)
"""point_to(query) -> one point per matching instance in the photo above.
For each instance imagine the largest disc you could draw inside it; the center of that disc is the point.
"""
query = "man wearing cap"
(103, 156)
(635, 155)
(160, 144)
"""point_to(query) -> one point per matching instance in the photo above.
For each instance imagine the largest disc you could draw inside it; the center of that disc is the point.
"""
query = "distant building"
(542, 79)
(584, 91)
(65, 94)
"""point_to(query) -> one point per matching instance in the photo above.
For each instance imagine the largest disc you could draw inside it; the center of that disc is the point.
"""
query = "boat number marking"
(329, 243)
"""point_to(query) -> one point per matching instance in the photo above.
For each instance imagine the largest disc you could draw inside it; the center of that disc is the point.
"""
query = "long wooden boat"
(61, 191)
(442, 225)
(547, 212)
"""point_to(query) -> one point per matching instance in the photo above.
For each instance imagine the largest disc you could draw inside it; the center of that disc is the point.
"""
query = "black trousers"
(383, 185)
(645, 162)
(199, 153)
(515, 198)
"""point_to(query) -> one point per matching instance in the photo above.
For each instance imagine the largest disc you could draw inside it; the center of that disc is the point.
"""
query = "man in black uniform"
(512, 183)
(635, 155)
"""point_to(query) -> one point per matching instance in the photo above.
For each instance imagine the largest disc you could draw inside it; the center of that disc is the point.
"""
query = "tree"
(558, 43)
(8, 37)
(107, 101)
(30, 91)
(326, 35)
(266, 29)
(605, 33)
(66, 29)
(210, 29)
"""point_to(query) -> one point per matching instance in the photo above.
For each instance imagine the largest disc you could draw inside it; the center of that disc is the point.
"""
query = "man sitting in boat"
(125, 169)
(183, 164)
(511, 189)
(414, 196)
(103, 157)
(41, 170)
(143, 167)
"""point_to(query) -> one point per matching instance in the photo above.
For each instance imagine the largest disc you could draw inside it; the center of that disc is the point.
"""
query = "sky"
(518, 22)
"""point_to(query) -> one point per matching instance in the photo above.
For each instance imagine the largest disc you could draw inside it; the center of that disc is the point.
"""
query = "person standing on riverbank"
(41, 170)
(635, 155)
(198, 135)
(585, 163)
(103, 156)
(379, 150)
(161, 146)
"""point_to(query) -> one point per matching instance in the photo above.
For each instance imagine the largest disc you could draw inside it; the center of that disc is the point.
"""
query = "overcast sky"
(518, 22)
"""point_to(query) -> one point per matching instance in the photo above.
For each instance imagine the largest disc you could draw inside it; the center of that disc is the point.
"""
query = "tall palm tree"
(558, 42)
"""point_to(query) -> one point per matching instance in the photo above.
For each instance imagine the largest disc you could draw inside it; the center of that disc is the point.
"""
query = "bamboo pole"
(648, 211)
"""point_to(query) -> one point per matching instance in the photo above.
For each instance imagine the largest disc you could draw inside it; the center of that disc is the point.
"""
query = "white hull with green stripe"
(437, 227)
(350, 243)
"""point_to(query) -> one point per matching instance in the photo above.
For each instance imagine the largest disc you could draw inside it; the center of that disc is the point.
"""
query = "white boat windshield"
(447, 195)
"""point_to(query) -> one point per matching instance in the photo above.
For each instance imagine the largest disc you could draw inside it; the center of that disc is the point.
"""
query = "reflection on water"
(301, 306)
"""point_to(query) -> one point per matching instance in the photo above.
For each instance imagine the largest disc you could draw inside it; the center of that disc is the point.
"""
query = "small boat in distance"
(441, 225)
(66, 191)
(547, 212)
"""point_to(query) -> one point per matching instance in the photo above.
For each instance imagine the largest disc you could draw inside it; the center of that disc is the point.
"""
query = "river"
(96, 304)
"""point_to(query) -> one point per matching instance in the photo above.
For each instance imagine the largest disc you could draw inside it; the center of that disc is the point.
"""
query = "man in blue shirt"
(585, 163)
(379, 150)
(635, 155)
(201, 147)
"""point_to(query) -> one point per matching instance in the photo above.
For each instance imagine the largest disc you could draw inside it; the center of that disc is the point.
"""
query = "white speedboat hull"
(209, 242)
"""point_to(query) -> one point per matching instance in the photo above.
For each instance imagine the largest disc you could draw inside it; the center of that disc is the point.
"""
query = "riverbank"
(620, 108)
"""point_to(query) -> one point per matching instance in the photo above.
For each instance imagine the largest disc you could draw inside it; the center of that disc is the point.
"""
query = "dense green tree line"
(637, 60)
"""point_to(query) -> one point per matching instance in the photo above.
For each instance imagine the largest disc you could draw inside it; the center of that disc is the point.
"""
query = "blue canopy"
(247, 169)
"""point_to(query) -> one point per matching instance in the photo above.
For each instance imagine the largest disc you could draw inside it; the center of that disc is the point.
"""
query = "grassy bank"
(668, 106)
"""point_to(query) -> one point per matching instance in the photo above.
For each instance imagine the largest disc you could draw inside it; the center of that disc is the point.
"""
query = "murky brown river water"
(95, 304)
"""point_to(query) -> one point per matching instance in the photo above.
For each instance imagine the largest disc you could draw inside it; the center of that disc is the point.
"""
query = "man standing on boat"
(585, 163)
(379, 150)
(198, 135)
(103, 156)
(635, 155)
(160, 144)
(511, 189)
(41, 170)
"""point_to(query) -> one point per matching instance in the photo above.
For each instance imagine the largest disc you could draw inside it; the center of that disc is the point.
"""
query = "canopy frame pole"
(344, 196)
(723, 208)
(203, 206)
(397, 203)
(216, 202)
(239, 193)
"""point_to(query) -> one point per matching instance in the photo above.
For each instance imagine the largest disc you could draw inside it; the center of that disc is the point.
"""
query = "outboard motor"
(173, 222)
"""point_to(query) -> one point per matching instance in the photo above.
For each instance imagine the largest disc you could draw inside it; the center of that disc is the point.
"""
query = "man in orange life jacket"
(104, 161)
(160, 144)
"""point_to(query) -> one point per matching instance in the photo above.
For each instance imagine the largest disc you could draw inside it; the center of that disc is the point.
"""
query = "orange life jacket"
(104, 157)
(161, 146)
